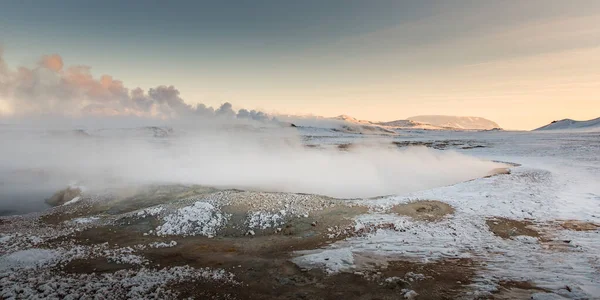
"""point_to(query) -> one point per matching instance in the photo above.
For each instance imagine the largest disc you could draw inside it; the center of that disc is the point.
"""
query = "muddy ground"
(261, 258)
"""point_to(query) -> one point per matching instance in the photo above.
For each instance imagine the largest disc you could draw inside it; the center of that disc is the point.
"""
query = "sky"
(519, 63)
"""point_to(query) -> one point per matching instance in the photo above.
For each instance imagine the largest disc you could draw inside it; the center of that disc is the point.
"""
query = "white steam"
(213, 147)
(268, 159)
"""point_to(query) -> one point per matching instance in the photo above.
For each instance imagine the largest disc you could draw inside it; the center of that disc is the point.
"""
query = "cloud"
(51, 88)
(226, 110)
(252, 115)
(53, 62)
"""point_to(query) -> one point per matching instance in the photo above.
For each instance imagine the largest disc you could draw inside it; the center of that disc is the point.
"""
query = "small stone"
(410, 295)
(568, 288)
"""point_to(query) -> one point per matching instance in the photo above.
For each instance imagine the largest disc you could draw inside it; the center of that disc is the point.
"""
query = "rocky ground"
(528, 232)
(191, 241)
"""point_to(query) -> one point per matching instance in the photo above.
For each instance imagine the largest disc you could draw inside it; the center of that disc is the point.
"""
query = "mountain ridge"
(456, 122)
(427, 122)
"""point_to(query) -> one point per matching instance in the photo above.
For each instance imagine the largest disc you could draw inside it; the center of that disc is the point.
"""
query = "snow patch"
(201, 218)
(86, 220)
(332, 260)
(163, 244)
(74, 200)
(264, 219)
(28, 259)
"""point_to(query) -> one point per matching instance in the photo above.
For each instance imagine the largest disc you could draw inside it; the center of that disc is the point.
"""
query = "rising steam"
(213, 147)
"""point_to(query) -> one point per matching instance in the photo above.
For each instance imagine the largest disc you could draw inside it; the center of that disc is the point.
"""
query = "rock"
(63, 196)
(410, 294)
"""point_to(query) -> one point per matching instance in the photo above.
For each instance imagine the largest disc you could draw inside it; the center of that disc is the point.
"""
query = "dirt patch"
(424, 210)
(280, 279)
(345, 147)
(61, 214)
(94, 265)
(444, 279)
(579, 225)
(123, 237)
(441, 144)
(507, 228)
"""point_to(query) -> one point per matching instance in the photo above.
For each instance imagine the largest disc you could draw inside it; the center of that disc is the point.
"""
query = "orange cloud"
(53, 62)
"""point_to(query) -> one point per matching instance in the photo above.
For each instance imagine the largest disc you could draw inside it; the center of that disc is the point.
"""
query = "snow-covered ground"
(572, 125)
(558, 179)
(554, 182)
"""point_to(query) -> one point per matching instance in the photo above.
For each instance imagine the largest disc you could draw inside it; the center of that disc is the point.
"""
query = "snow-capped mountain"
(388, 126)
(569, 124)
(408, 124)
(455, 122)
(424, 122)
(348, 124)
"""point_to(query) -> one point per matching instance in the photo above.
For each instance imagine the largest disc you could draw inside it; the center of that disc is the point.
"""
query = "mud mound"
(64, 196)
(507, 228)
(424, 210)
(579, 225)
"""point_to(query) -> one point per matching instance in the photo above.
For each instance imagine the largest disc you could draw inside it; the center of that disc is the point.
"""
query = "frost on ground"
(28, 259)
(201, 218)
(124, 284)
(264, 220)
(533, 232)
(539, 246)
(163, 244)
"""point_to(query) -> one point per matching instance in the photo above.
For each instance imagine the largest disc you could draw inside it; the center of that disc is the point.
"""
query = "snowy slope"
(408, 124)
(391, 125)
(568, 124)
(469, 123)
(348, 124)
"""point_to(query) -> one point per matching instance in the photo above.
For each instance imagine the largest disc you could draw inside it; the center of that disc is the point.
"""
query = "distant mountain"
(568, 124)
(348, 124)
(427, 122)
(454, 122)
(389, 126)
(352, 120)
(408, 124)
(353, 125)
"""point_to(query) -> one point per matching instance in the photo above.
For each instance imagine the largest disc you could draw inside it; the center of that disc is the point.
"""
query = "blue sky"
(378, 60)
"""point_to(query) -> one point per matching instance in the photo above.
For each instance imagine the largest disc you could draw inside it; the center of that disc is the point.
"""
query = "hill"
(455, 122)
(569, 124)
